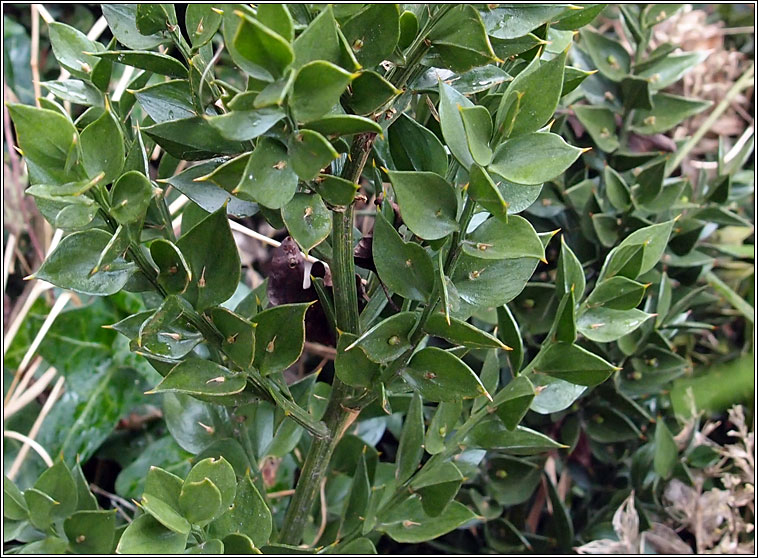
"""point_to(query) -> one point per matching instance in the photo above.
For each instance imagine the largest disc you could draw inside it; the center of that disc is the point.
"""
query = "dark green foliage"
(476, 348)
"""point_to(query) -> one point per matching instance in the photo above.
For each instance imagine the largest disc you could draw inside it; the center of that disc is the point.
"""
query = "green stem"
(338, 416)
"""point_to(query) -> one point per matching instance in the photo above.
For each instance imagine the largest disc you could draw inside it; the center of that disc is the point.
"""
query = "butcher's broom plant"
(432, 127)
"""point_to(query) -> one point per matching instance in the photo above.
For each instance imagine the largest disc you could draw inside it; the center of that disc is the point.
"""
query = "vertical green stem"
(337, 416)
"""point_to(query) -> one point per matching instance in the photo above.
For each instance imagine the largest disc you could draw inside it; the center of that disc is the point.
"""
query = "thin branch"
(34, 59)
(123, 83)
(114, 497)
(97, 29)
(46, 325)
(30, 394)
(281, 493)
(28, 442)
(46, 408)
(8, 257)
(30, 372)
(38, 288)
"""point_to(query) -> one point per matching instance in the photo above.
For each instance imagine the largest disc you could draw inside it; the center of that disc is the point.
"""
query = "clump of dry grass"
(719, 519)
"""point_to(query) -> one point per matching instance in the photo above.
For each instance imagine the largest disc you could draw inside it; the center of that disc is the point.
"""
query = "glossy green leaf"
(356, 504)
(491, 433)
(438, 488)
(616, 189)
(424, 528)
(269, 177)
(635, 92)
(428, 203)
(600, 123)
(248, 516)
(308, 220)
(122, 21)
(145, 535)
(538, 89)
(71, 262)
(192, 139)
(196, 376)
(444, 420)
(579, 18)
(459, 332)
(58, 483)
(411, 446)
(573, 364)
(404, 267)
(533, 158)
(373, 32)
(317, 88)
(666, 451)
(513, 401)
(369, 92)
(460, 39)
(670, 69)
(414, 147)
(211, 253)
(14, 505)
(166, 100)
(388, 339)
(654, 238)
(243, 125)
(441, 376)
(165, 334)
(43, 509)
(309, 153)
(667, 112)
(605, 324)
(609, 56)
(75, 91)
(624, 261)
(353, 367)
(150, 61)
(262, 47)
(220, 473)
(570, 274)
(130, 198)
(511, 21)
(91, 532)
(280, 336)
(562, 524)
(508, 331)
(319, 40)
(337, 192)
(173, 271)
(490, 283)
(477, 123)
(506, 48)
(451, 123)
(277, 18)
(103, 148)
(69, 46)
(163, 485)
(650, 182)
(165, 514)
(237, 543)
(239, 336)
(201, 23)
(152, 18)
(564, 321)
(483, 190)
(496, 239)
(619, 293)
